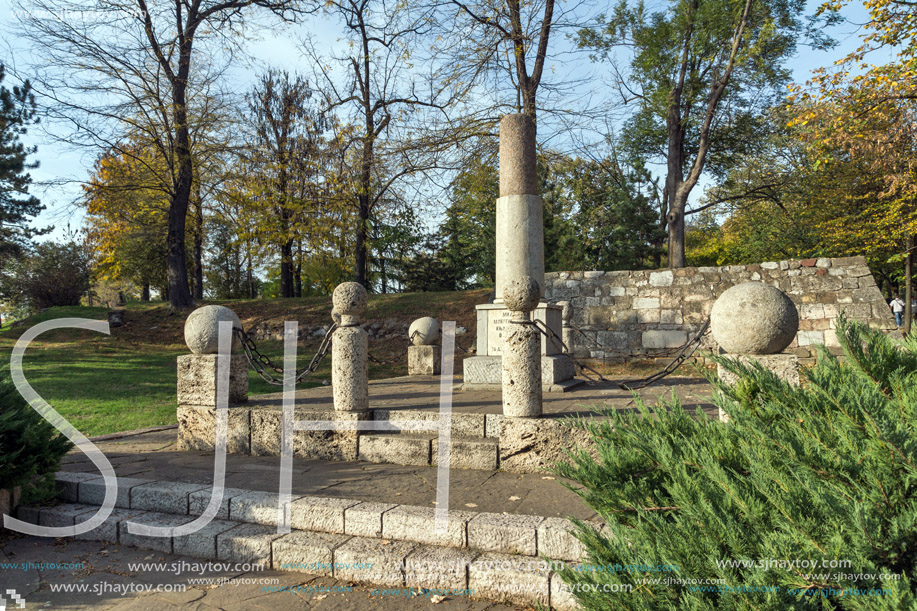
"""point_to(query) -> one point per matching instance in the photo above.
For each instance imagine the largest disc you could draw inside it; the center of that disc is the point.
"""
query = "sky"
(277, 47)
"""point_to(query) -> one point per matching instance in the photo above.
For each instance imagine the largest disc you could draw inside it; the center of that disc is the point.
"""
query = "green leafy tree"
(822, 471)
(700, 73)
(17, 112)
(48, 275)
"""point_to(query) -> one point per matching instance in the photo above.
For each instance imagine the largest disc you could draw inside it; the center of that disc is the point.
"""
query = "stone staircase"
(499, 557)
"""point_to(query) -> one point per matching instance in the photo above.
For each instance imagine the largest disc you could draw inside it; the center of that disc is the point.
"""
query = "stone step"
(462, 424)
(423, 449)
(534, 536)
(499, 557)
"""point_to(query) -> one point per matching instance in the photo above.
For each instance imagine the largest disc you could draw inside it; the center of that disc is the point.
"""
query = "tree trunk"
(145, 293)
(359, 274)
(286, 269)
(198, 246)
(909, 286)
(179, 294)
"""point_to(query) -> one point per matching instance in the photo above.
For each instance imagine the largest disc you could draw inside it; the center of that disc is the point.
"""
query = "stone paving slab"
(104, 566)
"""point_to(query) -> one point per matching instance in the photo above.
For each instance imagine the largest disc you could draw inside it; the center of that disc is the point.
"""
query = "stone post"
(567, 316)
(520, 224)
(522, 392)
(197, 372)
(350, 350)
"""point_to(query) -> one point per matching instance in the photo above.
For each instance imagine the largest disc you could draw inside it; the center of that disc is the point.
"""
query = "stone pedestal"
(520, 241)
(424, 360)
(197, 429)
(784, 366)
(521, 372)
(197, 379)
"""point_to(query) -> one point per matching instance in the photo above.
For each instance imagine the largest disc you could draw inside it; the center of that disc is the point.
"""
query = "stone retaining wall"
(654, 312)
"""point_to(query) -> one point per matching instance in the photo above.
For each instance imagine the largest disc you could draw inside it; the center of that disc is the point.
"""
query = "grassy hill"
(126, 380)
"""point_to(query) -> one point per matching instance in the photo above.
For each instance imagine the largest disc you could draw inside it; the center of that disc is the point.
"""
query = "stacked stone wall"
(654, 312)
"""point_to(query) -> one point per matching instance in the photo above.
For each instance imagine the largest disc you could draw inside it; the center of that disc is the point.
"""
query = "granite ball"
(350, 299)
(426, 329)
(522, 294)
(754, 318)
(202, 329)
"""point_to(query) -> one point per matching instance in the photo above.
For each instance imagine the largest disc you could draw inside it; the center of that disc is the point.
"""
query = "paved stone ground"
(154, 456)
(422, 392)
(111, 583)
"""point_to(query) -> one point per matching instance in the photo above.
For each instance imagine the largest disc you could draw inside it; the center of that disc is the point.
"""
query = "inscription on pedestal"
(497, 329)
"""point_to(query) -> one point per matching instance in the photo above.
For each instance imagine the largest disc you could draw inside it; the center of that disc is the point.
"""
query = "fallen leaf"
(547, 477)
(437, 599)
(514, 498)
(470, 505)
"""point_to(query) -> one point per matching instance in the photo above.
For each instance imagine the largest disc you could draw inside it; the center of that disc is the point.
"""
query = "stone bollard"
(567, 333)
(522, 352)
(197, 372)
(350, 350)
(423, 355)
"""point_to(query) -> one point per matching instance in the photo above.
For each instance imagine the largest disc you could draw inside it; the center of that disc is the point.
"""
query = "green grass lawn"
(106, 384)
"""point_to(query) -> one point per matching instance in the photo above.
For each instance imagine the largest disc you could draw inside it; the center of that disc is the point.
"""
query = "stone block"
(365, 519)
(807, 338)
(164, 497)
(256, 507)
(645, 303)
(203, 543)
(159, 544)
(411, 523)
(318, 513)
(483, 370)
(67, 514)
(197, 379)
(557, 541)
(784, 366)
(463, 425)
(502, 577)
(374, 561)
(68, 484)
(664, 278)
(324, 445)
(107, 531)
(247, 543)
(562, 598)
(508, 534)
(556, 369)
(657, 339)
(670, 317)
(28, 514)
(198, 502)
(400, 449)
(531, 445)
(438, 568)
(648, 316)
(616, 291)
(92, 492)
(424, 360)
(469, 453)
(306, 552)
(492, 427)
(197, 429)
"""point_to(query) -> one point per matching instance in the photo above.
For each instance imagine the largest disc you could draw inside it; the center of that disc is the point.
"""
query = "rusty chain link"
(260, 362)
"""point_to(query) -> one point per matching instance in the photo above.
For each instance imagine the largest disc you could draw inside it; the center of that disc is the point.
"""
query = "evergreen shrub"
(825, 472)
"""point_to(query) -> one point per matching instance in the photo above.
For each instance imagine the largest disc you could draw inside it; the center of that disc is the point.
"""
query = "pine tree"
(826, 471)
(17, 112)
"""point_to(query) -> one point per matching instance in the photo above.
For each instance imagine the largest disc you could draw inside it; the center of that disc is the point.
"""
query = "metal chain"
(684, 354)
(260, 363)
(394, 360)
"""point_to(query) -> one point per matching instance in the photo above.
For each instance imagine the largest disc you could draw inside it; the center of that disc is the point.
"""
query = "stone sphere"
(427, 329)
(202, 329)
(522, 294)
(567, 312)
(350, 299)
(754, 318)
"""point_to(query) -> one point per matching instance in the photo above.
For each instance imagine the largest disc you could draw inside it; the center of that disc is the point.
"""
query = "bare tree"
(127, 66)
(397, 116)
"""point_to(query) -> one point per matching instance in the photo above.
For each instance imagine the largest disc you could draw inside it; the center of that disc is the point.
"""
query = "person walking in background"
(897, 306)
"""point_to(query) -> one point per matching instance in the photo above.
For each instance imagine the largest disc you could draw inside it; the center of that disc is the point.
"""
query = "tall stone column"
(522, 392)
(350, 350)
(520, 224)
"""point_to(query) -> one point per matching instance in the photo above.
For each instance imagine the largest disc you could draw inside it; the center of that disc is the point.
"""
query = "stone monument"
(350, 350)
(423, 355)
(755, 322)
(519, 252)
